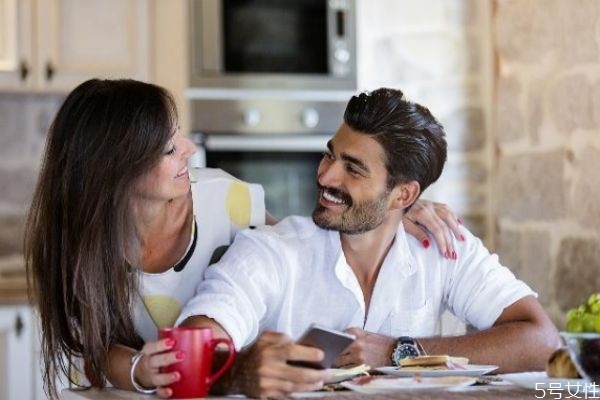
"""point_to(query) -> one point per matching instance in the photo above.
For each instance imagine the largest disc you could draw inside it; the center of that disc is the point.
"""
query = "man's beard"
(357, 218)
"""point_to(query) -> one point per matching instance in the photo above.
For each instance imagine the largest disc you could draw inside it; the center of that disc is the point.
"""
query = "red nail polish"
(179, 355)
(169, 342)
(459, 221)
(454, 255)
(425, 243)
(176, 375)
(462, 237)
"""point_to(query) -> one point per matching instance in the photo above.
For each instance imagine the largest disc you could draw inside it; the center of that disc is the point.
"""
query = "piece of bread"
(560, 365)
(435, 361)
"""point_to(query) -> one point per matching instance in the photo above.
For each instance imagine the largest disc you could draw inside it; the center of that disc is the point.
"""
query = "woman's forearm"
(119, 366)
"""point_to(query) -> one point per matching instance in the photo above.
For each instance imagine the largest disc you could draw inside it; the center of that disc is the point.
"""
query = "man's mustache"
(340, 194)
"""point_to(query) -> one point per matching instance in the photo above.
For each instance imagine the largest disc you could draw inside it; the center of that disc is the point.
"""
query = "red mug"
(198, 346)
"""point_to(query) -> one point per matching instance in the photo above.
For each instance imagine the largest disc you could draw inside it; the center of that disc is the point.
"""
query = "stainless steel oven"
(272, 141)
(273, 44)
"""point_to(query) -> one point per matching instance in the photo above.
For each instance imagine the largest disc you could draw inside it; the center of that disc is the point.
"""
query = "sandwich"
(438, 362)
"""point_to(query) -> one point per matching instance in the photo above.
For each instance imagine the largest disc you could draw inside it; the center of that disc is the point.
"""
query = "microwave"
(273, 44)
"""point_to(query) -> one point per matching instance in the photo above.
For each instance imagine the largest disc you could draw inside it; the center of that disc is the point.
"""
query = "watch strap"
(413, 341)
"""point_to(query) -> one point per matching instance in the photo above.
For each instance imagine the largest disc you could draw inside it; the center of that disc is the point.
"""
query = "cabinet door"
(16, 367)
(82, 39)
(16, 40)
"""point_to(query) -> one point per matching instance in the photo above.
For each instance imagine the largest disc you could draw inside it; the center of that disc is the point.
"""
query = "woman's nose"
(189, 147)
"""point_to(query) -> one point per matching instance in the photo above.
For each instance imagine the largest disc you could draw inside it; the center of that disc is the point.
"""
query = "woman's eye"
(170, 151)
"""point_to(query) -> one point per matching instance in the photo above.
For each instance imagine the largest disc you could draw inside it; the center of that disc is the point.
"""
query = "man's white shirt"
(288, 276)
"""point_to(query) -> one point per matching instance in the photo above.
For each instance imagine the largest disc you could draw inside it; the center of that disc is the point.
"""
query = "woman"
(117, 236)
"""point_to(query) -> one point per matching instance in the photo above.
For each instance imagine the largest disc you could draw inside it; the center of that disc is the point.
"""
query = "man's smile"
(331, 196)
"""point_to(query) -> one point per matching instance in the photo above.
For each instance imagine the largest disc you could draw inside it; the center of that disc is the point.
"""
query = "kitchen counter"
(13, 281)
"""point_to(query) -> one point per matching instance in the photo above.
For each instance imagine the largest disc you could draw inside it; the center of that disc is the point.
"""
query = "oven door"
(286, 166)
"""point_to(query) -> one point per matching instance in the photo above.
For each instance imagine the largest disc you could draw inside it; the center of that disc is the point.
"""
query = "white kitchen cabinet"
(53, 45)
(18, 379)
(16, 37)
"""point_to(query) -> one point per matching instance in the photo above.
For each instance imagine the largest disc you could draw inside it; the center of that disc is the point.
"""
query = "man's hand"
(437, 218)
(262, 370)
(369, 348)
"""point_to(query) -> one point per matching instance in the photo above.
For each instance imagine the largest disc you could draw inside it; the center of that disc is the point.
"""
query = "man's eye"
(352, 170)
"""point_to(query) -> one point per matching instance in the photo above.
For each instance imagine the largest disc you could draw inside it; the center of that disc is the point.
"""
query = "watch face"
(403, 351)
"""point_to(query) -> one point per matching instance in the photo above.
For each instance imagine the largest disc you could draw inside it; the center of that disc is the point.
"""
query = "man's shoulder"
(295, 237)
(294, 229)
(430, 260)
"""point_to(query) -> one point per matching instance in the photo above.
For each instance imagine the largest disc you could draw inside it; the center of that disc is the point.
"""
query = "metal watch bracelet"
(135, 359)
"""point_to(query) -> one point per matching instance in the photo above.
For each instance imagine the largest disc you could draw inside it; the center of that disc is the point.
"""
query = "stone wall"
(437, 52)
(546, 191)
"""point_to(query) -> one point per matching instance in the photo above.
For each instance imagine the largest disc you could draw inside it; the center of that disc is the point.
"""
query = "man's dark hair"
(412, 139)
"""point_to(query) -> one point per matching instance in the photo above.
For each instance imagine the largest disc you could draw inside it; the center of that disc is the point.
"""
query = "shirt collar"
(399, 259)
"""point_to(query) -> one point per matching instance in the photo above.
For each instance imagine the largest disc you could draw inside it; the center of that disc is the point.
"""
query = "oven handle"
(295, 143)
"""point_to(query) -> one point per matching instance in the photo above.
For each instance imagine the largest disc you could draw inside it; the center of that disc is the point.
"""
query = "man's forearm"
(513, 346)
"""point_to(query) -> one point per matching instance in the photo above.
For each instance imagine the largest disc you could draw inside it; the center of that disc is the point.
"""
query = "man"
(351, 267)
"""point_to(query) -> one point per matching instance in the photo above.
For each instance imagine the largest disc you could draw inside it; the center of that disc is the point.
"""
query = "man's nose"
(330, 175)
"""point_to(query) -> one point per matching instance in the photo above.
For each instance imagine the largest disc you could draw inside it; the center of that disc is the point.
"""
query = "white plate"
(382, 384)
(540, 380)
(470, 370)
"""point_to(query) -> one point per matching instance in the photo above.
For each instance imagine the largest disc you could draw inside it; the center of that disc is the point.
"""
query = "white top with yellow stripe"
(223, 205)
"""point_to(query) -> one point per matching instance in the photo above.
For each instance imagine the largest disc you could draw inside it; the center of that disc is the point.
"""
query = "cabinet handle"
(24, 70)
(49, 71)
(19, 325)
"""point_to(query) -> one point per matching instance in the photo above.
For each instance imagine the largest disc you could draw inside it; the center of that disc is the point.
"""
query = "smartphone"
(332, 342)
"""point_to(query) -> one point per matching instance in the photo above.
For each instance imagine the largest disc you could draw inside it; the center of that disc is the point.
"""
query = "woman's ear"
(405, 194)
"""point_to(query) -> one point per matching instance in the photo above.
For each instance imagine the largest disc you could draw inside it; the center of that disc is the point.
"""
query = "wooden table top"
(474, 392)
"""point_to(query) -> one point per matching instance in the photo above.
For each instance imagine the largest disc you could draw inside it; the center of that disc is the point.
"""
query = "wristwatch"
(406, 346)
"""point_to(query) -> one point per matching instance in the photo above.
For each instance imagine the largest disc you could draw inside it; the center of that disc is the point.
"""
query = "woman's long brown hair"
(81, 245)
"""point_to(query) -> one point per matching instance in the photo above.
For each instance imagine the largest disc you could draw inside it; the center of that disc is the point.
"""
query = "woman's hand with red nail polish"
(158, 354)
(426, 218)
